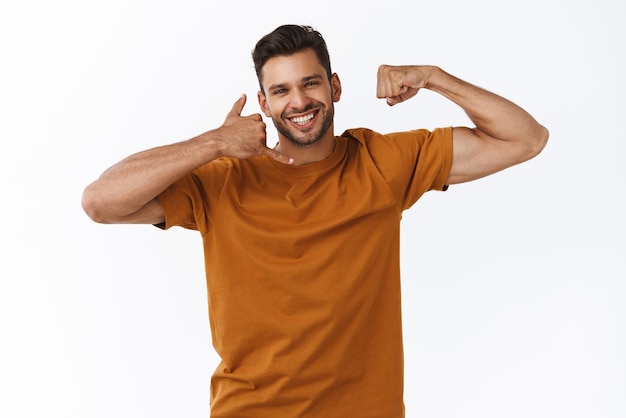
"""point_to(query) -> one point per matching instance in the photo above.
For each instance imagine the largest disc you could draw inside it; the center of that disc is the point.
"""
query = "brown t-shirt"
(303, 273)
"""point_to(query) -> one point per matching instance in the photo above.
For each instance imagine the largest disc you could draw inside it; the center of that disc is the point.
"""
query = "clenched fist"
(399, 83)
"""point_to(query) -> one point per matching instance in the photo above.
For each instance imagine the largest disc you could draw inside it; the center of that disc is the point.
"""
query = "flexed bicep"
(476, 154)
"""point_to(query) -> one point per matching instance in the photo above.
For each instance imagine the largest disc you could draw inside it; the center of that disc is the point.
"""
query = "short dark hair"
(287, 40)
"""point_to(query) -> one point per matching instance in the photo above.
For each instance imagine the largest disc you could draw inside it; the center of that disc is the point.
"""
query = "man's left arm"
(504, 135)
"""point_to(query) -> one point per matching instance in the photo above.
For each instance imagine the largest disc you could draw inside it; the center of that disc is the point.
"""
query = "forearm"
(129, 185)
(492, 114)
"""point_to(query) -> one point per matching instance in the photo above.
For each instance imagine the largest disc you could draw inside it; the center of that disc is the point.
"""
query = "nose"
(299, 100)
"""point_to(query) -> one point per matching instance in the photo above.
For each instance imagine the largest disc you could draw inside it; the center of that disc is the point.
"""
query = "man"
(302, 241)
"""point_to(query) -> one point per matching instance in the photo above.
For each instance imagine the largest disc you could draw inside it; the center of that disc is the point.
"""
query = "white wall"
(514, 285)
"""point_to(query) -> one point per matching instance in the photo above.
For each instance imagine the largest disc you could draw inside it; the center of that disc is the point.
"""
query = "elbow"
(538, 142)
(93, 207)
(543, 138)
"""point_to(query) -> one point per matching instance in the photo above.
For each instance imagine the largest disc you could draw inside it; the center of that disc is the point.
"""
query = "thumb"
(238, 106)
(392, 101)
(404, 93)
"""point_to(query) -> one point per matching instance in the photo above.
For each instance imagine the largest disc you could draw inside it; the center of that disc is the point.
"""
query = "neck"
(307, 154)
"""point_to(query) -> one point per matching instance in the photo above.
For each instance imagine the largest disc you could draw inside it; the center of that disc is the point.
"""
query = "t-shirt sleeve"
(426, 160)
(180, 203)
(412, 162)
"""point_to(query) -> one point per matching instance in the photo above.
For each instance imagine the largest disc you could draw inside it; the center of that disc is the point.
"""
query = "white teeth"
(301, 120)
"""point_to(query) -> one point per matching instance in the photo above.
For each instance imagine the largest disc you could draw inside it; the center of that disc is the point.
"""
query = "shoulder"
(364, 140)
(402, 141)
(365, 135)
(362, 135)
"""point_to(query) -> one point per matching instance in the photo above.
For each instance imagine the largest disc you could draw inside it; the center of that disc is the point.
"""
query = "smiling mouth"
(303, 120)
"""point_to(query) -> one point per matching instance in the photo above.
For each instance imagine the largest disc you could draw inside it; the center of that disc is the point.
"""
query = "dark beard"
(309, 138)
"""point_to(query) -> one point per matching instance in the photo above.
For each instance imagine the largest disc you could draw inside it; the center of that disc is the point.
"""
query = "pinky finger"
(277, 156)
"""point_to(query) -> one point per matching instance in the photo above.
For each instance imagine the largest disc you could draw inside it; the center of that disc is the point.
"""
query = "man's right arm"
(127, 192)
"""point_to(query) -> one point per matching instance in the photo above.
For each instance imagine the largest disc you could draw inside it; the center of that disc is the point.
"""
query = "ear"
(263, 103)
(336, 86)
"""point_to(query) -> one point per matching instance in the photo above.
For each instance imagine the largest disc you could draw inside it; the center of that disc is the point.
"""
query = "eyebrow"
(302, 80)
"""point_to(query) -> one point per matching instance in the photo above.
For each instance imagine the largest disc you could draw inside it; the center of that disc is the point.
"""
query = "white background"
(514, 285)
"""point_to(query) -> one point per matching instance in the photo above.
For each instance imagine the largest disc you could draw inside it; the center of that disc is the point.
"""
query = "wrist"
(210, 143)
(431, 76)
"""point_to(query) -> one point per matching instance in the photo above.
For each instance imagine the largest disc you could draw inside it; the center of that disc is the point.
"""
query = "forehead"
(288, 69)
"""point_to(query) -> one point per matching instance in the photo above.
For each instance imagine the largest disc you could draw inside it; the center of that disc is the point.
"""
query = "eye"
(278, 92)
(311, 83)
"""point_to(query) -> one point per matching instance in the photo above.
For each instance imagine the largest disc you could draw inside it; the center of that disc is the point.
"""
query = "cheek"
(271, 109)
